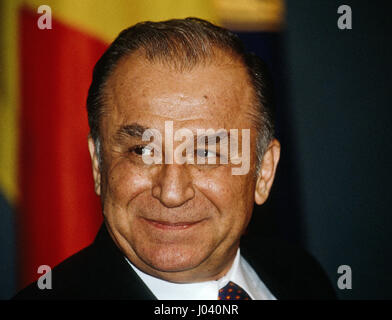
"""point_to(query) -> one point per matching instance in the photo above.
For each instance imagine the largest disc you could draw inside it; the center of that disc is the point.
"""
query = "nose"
(173, 187)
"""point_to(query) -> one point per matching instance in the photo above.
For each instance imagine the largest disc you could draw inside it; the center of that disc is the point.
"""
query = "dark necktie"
(231, 291)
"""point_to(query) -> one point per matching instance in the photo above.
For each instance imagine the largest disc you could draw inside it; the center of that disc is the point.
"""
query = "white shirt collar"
(240, 273)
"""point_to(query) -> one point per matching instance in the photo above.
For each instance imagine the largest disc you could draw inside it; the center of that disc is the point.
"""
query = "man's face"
(179, 222)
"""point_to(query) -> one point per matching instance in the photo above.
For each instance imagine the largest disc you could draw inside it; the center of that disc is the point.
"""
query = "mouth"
(165, 225)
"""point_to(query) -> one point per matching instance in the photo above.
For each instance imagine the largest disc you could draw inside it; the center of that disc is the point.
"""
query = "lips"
(166, 225)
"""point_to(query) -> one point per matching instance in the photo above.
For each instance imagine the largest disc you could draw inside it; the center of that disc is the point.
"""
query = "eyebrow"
(136, 130)
(222, 134)
(130, 130)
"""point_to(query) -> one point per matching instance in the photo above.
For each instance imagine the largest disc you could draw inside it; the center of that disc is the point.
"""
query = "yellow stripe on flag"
(105, 19)
(8, 98)
(251, 15)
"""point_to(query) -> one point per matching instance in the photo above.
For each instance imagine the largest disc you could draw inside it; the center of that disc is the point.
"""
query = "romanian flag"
(48, 208)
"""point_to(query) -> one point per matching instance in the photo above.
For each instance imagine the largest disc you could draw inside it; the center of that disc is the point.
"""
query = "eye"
(204, 153)
(141, 150)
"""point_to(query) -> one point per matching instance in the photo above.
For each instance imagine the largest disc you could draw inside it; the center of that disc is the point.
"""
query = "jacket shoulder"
(289, 271)
(70, 278)
(99, 271)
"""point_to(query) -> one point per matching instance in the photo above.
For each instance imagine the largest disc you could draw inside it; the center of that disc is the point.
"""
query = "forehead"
(217, 94)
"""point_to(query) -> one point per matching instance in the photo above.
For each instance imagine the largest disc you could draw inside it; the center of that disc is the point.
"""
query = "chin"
(174, 259)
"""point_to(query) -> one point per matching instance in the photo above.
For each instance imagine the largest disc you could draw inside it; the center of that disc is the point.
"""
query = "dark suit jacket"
(101, 272)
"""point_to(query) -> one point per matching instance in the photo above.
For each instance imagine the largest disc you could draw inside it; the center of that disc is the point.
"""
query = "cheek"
(124, 182)
(231, 195)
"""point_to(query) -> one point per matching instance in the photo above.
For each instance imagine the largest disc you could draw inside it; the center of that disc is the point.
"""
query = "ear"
(95, 165)
(267, 172)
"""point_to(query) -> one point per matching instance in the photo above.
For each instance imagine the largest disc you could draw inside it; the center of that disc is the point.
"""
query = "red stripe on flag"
(59, 211)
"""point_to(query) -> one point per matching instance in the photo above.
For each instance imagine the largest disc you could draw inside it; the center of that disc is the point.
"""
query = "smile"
(165, 225)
